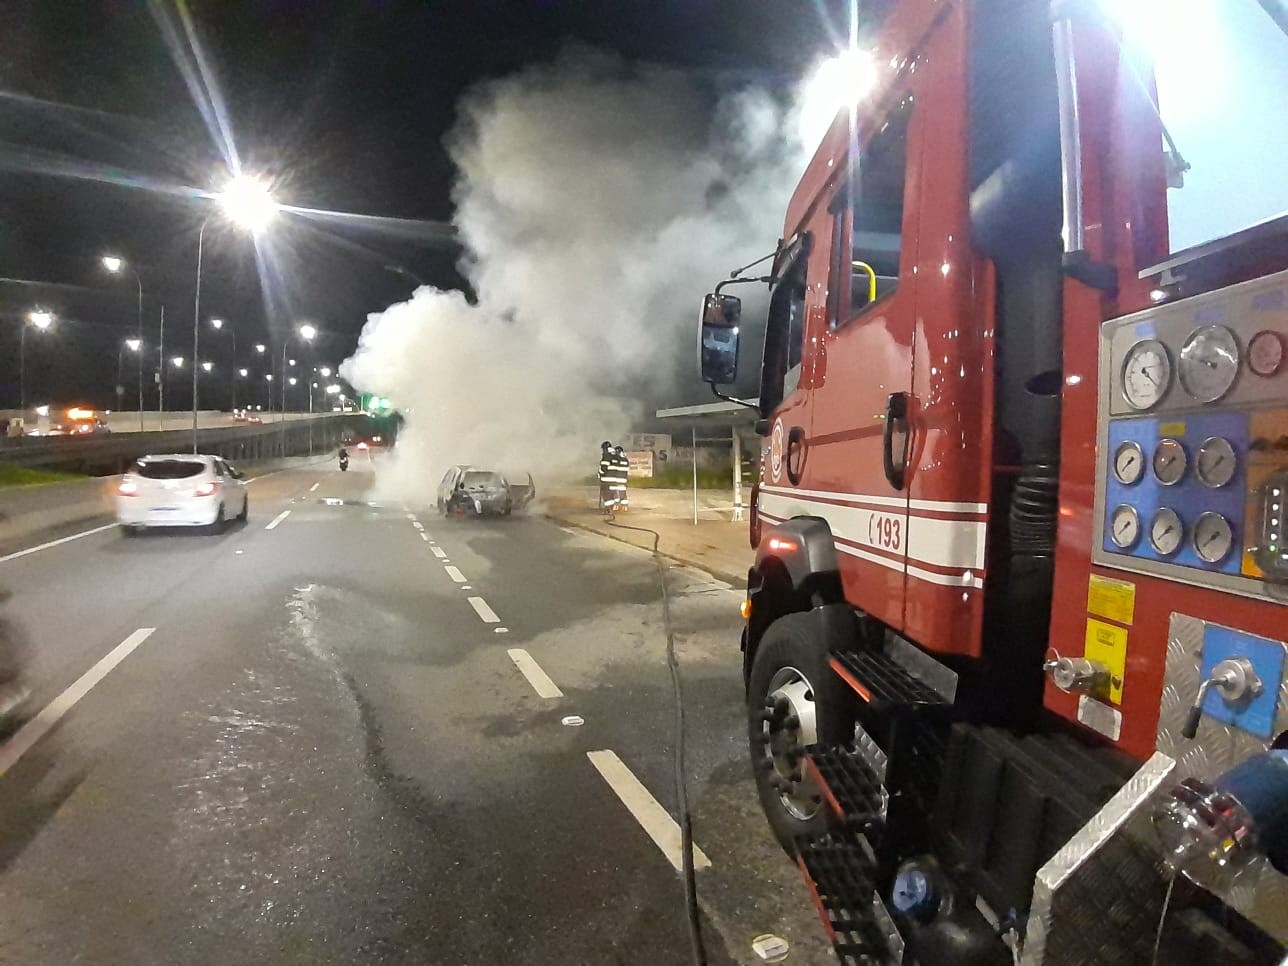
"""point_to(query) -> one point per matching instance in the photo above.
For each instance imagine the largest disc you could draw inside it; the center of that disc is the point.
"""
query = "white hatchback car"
(180, 491)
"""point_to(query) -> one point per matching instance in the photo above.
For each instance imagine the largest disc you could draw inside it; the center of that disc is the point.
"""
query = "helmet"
(620, 451)
(605, 445)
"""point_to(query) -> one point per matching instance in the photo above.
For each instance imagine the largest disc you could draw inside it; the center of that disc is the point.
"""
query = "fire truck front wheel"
(793, 700)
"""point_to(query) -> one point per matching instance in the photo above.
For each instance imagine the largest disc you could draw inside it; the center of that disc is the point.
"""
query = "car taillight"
(128, 488)
(207, 489)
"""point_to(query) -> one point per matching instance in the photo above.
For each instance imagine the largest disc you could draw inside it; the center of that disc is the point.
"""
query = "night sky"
(344, 104)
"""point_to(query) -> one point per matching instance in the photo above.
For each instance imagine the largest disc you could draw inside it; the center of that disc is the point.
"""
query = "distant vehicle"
(180, 491)
(471, 491)
(77, 422)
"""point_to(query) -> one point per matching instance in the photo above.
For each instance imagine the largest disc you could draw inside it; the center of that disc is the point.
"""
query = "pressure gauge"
(1147, 372)
(1213, 537)
(1266, 352)
(1169, 462)
(1216, 462)
(1166, 531)
(1209, 362)
(1124, 526)
(1129, 462)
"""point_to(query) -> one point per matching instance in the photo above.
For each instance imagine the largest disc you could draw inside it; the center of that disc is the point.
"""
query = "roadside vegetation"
(23, 476)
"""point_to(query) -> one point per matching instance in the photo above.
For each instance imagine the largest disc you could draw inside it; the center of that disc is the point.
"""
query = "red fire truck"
(1014, 643)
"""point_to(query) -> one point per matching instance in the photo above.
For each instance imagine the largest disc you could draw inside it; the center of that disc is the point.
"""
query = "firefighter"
(622, 465)
(607, 477)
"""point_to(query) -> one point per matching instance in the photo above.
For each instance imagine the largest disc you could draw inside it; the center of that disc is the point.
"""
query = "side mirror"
(718, 348)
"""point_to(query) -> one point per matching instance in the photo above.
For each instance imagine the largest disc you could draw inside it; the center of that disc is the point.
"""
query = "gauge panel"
(1192, 429)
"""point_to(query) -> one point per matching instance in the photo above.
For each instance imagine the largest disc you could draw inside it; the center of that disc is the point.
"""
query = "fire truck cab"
(1016, 623)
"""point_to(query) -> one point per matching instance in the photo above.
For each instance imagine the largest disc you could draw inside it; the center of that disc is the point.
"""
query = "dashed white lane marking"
(500, 630)
(314, 487)
(424, 535)
(466, 587)
(418, 525)
(455, 574)
(439, 552)
(272, 524)
(653, 818)
(531, 670)
(411, 516)
(570, 530)
(486, 614)
(39, 726)
(53, 543)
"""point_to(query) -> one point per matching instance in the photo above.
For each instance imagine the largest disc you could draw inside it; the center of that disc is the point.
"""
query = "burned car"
(472, 491)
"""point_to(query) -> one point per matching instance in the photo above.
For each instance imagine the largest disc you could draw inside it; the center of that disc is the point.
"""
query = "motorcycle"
(344, 462)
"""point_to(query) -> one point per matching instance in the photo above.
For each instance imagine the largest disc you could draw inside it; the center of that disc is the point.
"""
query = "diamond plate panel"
(1257, 890)
(1105, 887)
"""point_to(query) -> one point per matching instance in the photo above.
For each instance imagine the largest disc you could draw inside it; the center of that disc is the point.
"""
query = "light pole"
(306, 332)
(135, 346)
(114, 264)
(247, 202)
(42, 320)
(261, 349)
(217, 325)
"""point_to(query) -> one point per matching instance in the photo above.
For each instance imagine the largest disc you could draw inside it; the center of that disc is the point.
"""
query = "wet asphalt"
(322, 753)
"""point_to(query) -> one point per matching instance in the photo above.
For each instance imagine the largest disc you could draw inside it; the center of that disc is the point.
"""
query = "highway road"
(345, 733)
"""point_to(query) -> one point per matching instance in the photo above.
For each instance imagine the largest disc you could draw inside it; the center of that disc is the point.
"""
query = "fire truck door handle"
(896, 411)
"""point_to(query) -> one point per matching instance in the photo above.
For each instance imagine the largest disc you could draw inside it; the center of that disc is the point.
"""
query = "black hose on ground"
(681, 781)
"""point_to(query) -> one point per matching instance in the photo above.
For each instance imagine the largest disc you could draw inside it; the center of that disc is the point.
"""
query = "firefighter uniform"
(622, 466)
(608, 477)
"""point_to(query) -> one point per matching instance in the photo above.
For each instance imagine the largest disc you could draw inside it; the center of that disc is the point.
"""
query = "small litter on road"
(770, 949)
(572, 721)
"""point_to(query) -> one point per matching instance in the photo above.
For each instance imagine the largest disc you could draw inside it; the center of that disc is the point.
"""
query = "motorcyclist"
(344, 458)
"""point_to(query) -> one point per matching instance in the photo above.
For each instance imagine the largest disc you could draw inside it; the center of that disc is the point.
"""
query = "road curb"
(735, 580)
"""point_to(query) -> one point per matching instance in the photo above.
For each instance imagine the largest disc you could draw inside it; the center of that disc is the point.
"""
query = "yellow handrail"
(872, 279)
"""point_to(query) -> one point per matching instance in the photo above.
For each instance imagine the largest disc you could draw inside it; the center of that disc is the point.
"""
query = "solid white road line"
(439, 552)
(39, 726)
(455, 574)
(263, 476)
(272, 524)
(653, 818)
(53, 543)
(531, 670)
(314, 487)
(486, 614)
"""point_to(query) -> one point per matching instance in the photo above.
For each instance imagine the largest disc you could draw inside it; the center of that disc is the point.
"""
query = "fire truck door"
(856, 471)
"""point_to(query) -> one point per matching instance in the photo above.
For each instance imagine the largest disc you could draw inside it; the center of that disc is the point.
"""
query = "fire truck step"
(850, 787)
(883, 682)
(841, 876)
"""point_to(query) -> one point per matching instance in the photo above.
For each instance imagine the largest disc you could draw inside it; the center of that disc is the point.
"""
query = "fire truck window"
(876, 213)
(784, 338)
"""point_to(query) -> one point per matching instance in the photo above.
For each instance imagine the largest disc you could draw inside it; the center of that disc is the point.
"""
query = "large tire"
(791, 663)
(245, 510)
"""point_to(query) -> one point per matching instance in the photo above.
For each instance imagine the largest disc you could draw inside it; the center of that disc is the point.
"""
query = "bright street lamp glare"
(259, 347)
(268, 377)
(840, 81)
(243, 373)
(307, 332)
(247, 202)
(332, 389)
(216, 323)
(178, 362)
(134, 344)
(112, 263)
(325, 372)
(293, 380)
(208, 366)
(40, 318)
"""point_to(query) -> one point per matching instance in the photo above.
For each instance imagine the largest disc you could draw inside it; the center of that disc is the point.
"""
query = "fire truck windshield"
(1221, 72)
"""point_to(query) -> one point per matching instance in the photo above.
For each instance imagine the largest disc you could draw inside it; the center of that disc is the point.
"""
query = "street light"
(40, 320)
(292, 380)
(208, 366)
(177, 362)
(217, 325)
(134, 345)
(247, 203)
(260, 347)
(114, 264)
(243, 373)
(325, 372)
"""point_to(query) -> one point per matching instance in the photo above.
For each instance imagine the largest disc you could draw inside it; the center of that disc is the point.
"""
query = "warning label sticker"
(1114, 600)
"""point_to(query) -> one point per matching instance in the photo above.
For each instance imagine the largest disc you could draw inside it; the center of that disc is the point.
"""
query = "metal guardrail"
(116, 449)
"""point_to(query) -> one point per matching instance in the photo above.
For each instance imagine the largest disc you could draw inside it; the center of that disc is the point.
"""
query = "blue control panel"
(1188, 497)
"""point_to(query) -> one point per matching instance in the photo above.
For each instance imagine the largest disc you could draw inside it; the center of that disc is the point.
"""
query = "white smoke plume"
(596, 202)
